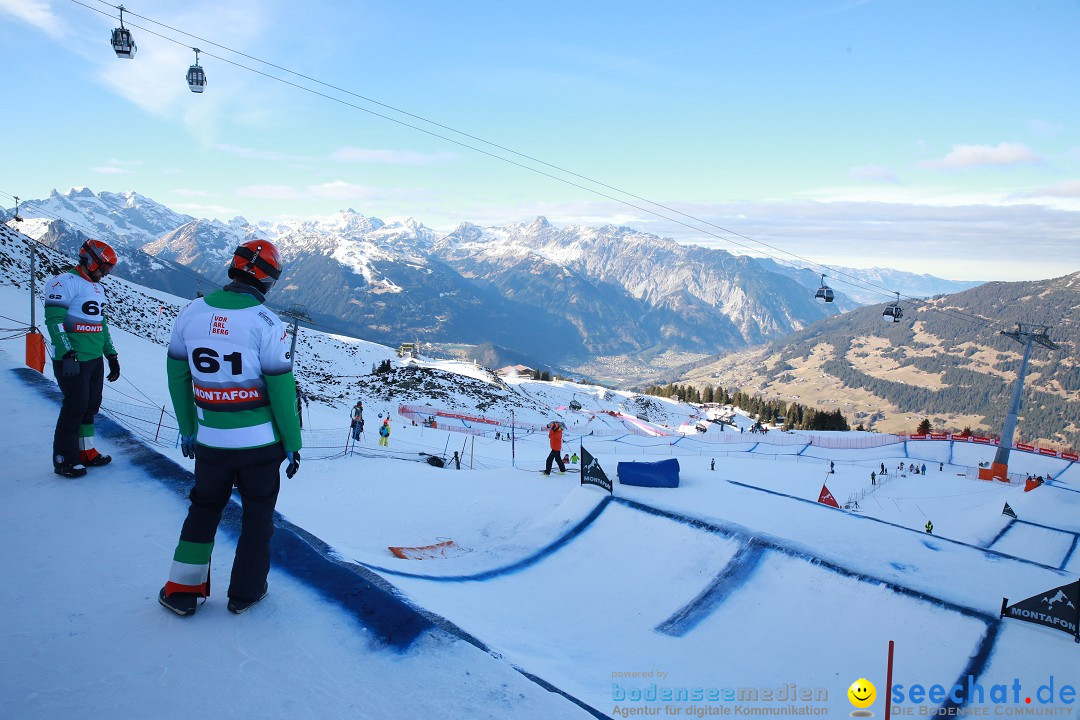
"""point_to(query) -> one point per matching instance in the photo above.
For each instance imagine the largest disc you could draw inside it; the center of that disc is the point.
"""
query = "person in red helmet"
(232, 386)
(75, 315)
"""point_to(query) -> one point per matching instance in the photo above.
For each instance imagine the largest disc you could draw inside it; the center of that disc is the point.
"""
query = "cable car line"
(512, 151)
(855, 281)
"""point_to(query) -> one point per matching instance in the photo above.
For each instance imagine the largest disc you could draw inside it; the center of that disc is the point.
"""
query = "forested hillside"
(945, 360)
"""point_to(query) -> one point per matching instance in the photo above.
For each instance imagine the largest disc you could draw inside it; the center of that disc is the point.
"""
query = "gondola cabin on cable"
(196, 78)
(122, 42)
(824, 292)
(893, 312)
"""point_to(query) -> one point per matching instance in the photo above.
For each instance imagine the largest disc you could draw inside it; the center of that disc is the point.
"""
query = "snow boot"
(99, 460)
(69, 469)
(180, 603)
(237, 606)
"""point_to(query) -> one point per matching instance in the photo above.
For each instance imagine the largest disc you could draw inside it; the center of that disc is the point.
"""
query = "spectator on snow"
(873, 478)
(301, 402)
(832, 467)
(929, 528)
(940, 466)
(357, 420)
(555, 431)
(924, 468)
(384, 433)
(574, 458)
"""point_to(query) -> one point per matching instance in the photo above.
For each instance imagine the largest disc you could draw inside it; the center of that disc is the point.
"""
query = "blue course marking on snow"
(989, 553)
(754, 448)
(789, 551)
(1069, 554)
(522, 564)
(1046, 527)
(974, 668)
(905, 449)
(1008, 526)
(933, 546)
(733, 576)
(804, 449)
(375, 603)
(902, 567)
(1053, 484)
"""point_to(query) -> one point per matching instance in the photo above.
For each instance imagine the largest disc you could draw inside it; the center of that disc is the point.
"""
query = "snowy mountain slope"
(556, 295)
(735, 579)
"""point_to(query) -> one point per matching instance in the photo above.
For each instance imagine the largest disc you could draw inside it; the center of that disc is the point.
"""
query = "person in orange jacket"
(555, 429)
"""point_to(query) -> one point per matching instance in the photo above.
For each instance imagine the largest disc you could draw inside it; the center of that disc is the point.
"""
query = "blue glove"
(294, 463)
(71, 364)
(187, 446)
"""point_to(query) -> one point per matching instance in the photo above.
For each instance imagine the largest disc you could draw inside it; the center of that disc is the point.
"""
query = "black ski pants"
(255, 473)
(556, 456)
(82, 400)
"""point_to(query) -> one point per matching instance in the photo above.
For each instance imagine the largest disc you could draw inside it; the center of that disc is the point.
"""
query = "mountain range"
(555, 296)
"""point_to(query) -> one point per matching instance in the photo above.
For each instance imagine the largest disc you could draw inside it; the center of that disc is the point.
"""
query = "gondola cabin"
(893, 313)
(196, 78)
(824, 292)
(123, 44)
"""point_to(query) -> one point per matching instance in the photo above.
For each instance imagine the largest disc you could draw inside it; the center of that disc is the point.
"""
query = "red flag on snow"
(826, 498)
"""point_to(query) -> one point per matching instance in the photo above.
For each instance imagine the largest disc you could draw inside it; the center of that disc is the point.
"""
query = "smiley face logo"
(862, 693)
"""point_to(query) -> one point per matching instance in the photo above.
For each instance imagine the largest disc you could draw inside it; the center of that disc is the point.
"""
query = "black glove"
(187, 446)
(294, 463)
(114, 368)
(71, 364)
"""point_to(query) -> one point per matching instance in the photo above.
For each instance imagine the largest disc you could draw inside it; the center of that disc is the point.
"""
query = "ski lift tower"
(1027, 335)
(296, 314)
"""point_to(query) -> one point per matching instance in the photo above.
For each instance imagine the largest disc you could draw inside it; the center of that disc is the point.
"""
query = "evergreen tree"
(924, 427)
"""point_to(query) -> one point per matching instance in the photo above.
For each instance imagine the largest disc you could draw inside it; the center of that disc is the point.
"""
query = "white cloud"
(185, 192)
(117, 167)
(879, 173)
(1064, 189)
(391, 157)
(38, 13)
(112, 170)
(968, 156)
(268, 192)
(268, 155)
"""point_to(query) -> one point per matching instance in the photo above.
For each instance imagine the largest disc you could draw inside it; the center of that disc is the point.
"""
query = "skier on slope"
(75, 315)
(233, 391)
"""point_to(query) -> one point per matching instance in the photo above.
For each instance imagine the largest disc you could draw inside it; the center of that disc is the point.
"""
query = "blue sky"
(936, 137)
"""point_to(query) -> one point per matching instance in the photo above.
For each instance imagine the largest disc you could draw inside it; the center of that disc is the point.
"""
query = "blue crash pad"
(663, 473)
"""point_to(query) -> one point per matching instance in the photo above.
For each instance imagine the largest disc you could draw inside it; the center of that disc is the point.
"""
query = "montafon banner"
(1058, 608)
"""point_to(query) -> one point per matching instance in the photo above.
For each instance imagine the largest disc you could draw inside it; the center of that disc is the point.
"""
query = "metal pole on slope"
(1027, 335)
(513, 452)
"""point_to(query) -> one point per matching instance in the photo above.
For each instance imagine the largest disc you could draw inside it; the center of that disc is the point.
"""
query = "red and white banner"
(1022, 446)
(1070, 456)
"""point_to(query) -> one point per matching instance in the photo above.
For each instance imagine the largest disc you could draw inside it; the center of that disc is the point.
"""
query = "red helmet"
(97, 255)
(259, 260)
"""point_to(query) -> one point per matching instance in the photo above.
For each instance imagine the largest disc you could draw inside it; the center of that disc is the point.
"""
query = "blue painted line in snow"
(732, 577)
(371, 600)
(1068, 555)
(522, 564)
(986, 551)
(1046, 527)
(1053, 484)
(804, 449)
(754, 448)
(906, 450)
(1008, 526)
(975, 667)
(789, 551)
